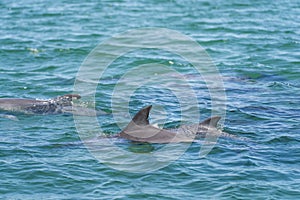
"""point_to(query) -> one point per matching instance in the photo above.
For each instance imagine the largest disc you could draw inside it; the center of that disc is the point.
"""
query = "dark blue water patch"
(288, 140)
(264, 112)
(261, 76)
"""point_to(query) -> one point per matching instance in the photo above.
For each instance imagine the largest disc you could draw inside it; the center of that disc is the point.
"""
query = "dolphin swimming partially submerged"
(33, 106)
(59, 105)
(139, 130)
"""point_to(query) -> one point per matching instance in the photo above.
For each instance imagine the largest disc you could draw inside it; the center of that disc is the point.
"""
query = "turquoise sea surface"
(255, 46)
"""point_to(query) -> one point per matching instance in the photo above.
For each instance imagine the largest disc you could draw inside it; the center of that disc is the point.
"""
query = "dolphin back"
(33, 106)
(139, 130)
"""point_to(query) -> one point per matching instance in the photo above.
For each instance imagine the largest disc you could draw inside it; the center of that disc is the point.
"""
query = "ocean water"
(255, 46)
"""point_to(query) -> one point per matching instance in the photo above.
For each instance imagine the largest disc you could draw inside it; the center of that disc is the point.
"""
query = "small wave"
(283, 139)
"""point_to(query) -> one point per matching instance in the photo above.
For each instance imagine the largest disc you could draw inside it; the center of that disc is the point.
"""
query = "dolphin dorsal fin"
(212, 121)
(141, 118)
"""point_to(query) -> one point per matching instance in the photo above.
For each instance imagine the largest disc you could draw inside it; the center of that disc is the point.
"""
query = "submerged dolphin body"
(59, 105)
(139, 130)
(33, 106)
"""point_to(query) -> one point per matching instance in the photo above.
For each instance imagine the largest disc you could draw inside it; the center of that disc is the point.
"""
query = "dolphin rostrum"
(59, 105)
(139, 130)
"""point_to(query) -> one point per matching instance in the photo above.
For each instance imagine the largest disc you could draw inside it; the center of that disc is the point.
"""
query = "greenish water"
(254, 44)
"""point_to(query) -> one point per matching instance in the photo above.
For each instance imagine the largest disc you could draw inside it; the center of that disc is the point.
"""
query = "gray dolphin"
(139, 130)
(59, 105)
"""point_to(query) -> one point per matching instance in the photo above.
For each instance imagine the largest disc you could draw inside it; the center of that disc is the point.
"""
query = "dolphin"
(140, 130)
(59, 105)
